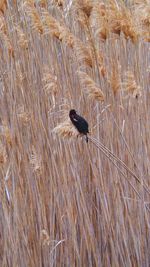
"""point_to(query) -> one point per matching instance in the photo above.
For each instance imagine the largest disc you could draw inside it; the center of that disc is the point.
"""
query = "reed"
(65, 202)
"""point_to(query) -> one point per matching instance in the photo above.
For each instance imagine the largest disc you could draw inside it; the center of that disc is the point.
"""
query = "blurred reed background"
(62, 201)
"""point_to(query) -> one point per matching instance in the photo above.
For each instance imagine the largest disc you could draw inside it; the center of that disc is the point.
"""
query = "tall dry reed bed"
(64, 202)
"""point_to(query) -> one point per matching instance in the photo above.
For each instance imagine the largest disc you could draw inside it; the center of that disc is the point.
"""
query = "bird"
(79, 122)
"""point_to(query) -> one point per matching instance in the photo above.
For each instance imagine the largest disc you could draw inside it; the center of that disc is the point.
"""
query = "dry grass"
(64, 202)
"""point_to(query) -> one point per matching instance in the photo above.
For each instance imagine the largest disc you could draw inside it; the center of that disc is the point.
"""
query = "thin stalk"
(112, 157)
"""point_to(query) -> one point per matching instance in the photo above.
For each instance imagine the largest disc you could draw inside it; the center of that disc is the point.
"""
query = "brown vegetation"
(64, 202)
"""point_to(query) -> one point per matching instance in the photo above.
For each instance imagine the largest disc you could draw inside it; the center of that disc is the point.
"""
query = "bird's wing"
(74, 119)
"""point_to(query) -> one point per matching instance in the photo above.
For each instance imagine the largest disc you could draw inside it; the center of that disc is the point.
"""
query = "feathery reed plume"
(66, 37)
(82, 10)
(90, 87)
(121, 19)
(32, 12)
(142, 18)
(115, 79)
(106, 19)
(50, 82)
(128, 26)
(146, 36)
(8, 44)
(99, 21)
(85, 5)
(58, 3)
(3, 27)
(130, 85)
(51, 25)
(83, 53)
(23, 116)
(43, 3)
(5, 36)
(100, 57)
(45, 238)
(3, 154)
(114, 17)
(102, 71)
(80, 17)
(3, 6)
(22, 40)
(29, 3)
(100, 61)
(19, 75)
(35, 161)
(57, 29)
(66, 129)
(5, 132)
(142, 12)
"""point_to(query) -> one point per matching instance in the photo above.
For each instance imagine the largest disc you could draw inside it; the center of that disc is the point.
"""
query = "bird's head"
(72, 113)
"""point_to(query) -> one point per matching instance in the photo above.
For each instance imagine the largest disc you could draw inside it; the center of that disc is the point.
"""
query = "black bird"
(79, 122)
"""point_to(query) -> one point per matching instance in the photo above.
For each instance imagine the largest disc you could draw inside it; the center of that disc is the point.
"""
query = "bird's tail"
(87, 138)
